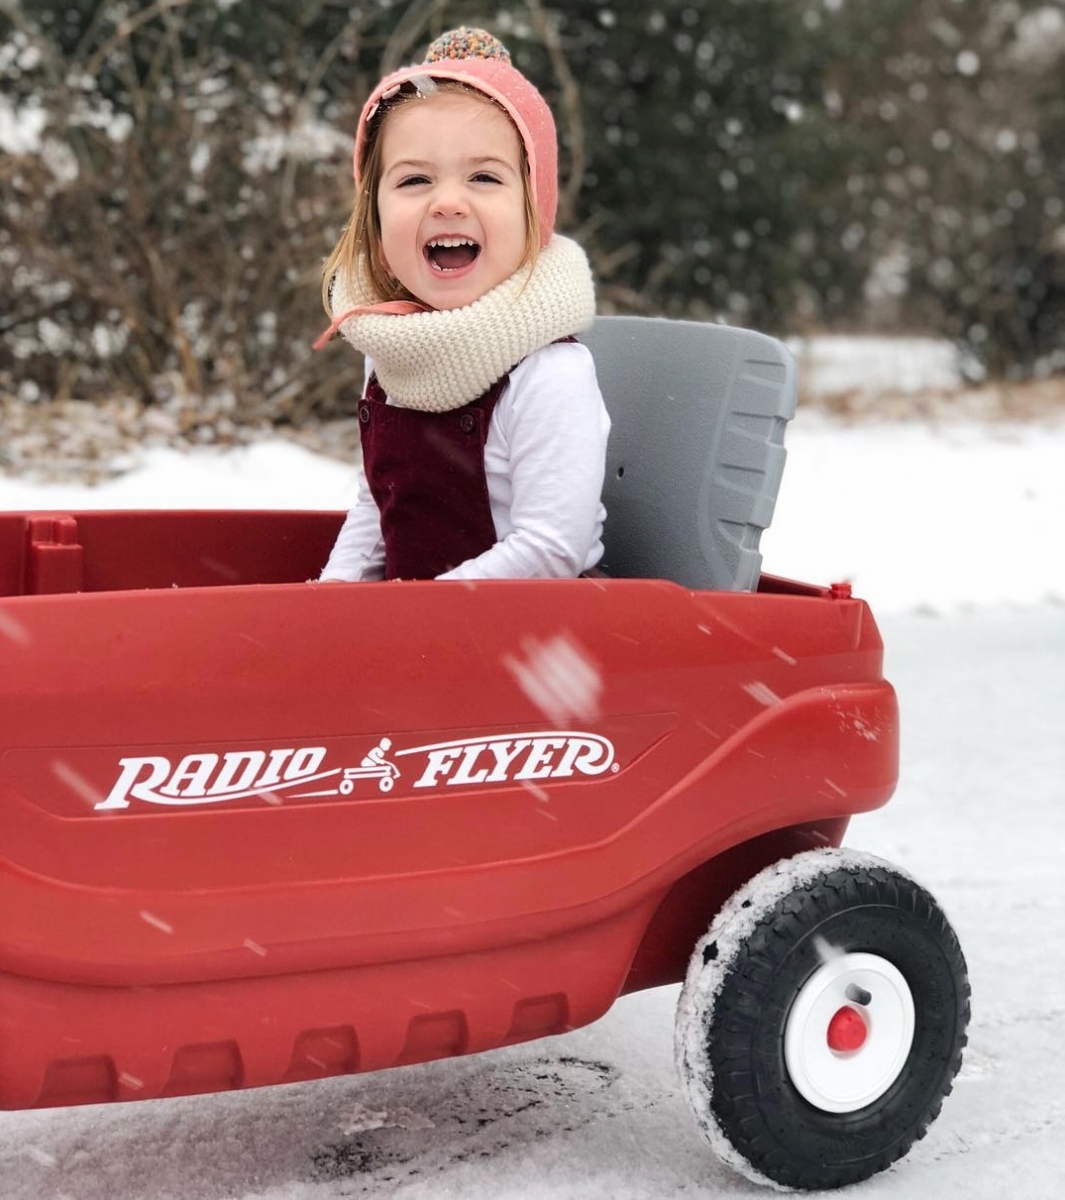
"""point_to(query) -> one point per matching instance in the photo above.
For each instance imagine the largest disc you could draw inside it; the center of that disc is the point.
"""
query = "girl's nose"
(449, 200)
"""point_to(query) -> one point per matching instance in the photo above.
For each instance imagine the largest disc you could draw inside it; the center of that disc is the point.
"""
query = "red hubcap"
(847, 1031)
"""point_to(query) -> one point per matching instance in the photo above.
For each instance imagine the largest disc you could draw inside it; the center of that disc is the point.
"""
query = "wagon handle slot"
(54, 563)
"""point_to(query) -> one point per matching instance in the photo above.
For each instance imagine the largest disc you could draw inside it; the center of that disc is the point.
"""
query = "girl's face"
(451, 201)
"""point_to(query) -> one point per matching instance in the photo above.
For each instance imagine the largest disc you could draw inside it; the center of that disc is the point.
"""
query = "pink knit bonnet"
(477, 59)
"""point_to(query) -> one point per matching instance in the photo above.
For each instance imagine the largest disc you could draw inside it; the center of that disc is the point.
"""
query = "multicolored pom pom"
(466, 43)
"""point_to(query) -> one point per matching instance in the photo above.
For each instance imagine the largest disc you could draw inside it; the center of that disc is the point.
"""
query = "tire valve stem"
(858, 995)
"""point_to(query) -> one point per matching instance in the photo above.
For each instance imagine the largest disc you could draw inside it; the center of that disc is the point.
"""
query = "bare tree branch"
(409, 30)
(129, 26)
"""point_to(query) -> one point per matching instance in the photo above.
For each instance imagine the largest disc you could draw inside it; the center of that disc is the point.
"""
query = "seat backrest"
(696, 448)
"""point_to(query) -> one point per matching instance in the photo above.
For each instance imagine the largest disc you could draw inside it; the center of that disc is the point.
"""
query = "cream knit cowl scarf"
(438, 360)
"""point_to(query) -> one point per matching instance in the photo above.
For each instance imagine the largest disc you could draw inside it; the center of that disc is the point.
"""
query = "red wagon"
(257, 830)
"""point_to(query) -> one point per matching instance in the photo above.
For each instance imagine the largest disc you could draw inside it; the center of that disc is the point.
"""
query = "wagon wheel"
(822, 1021)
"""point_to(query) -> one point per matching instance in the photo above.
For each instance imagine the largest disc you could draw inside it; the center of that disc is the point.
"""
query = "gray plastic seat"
(696, 449)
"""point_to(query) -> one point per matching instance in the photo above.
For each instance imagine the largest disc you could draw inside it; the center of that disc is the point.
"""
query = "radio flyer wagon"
(257, 830)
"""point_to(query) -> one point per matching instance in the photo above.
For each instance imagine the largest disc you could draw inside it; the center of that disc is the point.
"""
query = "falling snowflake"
(559, 678)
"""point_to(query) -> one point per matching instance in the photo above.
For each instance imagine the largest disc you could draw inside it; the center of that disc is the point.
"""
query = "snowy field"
(954, 534)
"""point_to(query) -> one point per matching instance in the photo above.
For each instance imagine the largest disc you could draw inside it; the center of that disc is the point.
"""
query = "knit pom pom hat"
(477, 59)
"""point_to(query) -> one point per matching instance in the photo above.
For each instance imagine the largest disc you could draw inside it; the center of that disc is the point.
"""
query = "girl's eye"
(486, 177)
(413, 180)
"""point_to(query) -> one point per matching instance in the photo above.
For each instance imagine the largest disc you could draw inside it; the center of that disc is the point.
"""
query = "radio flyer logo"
(302, 773)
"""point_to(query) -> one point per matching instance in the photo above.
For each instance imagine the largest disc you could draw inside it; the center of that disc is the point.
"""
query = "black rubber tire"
(733, 1024)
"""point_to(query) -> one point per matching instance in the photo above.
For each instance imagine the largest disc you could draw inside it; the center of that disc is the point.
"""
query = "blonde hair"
(356, 258)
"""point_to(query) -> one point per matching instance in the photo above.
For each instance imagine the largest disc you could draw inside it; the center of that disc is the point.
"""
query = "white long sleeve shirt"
(544, 459)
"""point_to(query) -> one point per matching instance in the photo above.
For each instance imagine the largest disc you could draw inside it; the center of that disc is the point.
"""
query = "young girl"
(483, 428)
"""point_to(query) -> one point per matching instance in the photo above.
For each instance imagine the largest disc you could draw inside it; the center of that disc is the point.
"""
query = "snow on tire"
(822, 1021)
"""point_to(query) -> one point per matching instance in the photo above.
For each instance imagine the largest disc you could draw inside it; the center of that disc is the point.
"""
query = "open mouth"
(451, 253)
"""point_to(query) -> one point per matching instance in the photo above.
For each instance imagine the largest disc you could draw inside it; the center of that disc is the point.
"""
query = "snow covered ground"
(831, 365)
(955, 536)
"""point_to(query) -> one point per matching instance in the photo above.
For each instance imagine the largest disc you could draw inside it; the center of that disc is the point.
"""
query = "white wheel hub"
(849, 1032)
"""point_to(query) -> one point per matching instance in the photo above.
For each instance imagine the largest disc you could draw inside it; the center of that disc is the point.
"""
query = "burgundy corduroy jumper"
(426, 473)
